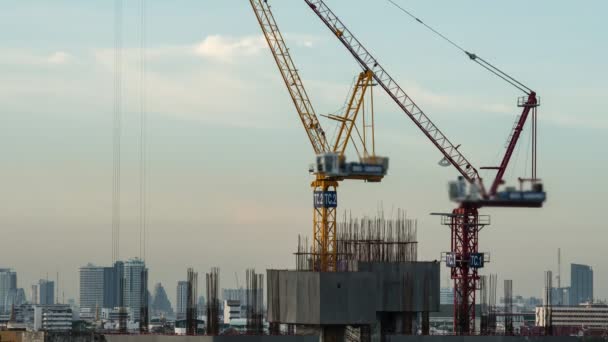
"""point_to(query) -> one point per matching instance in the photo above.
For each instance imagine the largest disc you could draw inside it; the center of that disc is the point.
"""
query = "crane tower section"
(330, 165)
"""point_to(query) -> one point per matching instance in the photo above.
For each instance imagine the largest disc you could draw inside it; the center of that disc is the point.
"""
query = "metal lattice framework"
(392, 88)
(355, 103)
(465, 227)
(292, 79)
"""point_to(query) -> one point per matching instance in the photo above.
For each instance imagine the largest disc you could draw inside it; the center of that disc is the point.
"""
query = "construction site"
(360, 278)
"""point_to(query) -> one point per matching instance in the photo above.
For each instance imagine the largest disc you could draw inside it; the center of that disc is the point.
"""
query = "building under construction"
(378, 289)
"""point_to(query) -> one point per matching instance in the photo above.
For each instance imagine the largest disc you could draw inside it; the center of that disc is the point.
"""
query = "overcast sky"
(228, 164)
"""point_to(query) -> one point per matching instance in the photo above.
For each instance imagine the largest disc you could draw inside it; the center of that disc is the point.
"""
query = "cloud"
(19, 57)
(589, 122)
(59, 57)
(227, 49)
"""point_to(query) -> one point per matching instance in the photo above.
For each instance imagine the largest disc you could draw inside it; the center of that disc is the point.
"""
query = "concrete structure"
(581, 284)
(132, 291)
(405, 287)
(239, 338)
(389, 338)
(57, 317)
(46, 292)
(232, 310)
(317, 298)
(584, 316)
(181, 301)
(8, 283)
(91, 286)
(378, 297)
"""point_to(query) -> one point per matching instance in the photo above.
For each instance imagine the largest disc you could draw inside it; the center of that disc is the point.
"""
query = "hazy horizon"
(228, 158)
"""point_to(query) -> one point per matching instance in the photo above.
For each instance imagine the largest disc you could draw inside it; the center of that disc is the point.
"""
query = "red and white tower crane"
(464, 258)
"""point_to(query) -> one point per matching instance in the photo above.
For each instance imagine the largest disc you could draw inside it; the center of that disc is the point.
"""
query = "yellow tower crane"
(331, 166)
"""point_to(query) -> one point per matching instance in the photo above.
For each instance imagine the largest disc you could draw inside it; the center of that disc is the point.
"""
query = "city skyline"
(229, 162)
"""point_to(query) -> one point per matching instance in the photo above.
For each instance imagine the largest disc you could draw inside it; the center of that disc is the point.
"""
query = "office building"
(233, 310)
(113, 285)
(14, 298)
(589, 316)
(91, 286)
(581, 284)
(135, 286)
(240, 295)
(46, 292)
(181, 303)
(8, 284)
(56, 318)
(560, 296)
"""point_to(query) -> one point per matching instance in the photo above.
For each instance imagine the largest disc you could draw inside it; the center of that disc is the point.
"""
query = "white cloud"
(226, 49)
(59, 57)
(15, 57)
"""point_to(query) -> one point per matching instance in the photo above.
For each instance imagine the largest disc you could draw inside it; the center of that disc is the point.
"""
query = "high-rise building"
(240, 294)
(113, 285)
(560, 296)
(46, 292)
(92, 286)
(581, 284)
(35, 294)
(135, 286)
(8, 284)
(15, 298)
(181, 299)
(160, 304)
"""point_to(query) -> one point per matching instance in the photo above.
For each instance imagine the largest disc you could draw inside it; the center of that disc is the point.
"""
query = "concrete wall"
(405, 287)
(342, 298)
(394, 338)
(241, 338)
(400, 338)
(313, 298)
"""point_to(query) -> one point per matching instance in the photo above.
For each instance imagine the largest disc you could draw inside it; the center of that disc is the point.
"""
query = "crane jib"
(368, 62)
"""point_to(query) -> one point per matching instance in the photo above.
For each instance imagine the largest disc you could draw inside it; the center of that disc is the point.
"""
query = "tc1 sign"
(325, 199)
(476, 260)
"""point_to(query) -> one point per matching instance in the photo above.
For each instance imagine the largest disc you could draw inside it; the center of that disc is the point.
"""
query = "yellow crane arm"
(292, 79)
(349, 117)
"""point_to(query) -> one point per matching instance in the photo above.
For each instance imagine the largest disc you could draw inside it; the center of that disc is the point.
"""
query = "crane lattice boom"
(369, 62)
(292, 79)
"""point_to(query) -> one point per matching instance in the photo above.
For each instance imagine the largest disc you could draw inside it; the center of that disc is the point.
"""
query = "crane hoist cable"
(474, 57)
(528, 104)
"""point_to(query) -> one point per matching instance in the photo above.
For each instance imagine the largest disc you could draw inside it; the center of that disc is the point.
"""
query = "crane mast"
(331, 166)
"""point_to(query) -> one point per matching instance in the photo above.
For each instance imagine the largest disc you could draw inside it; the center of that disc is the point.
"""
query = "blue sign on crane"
(477, 260)
(325, 199)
